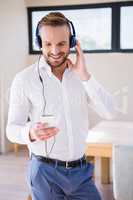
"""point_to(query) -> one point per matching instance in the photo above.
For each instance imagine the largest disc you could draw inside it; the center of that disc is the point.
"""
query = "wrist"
(85, 76)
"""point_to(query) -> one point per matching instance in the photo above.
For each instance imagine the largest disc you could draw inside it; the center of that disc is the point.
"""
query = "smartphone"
(50, 119)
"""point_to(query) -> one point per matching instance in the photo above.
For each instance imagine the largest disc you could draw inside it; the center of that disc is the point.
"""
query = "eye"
(47, 44)
(61, 44)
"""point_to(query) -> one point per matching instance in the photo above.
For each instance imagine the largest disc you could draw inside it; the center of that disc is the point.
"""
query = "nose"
(55, 50)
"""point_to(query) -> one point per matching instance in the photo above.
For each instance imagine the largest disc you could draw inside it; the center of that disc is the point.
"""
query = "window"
(107, 27)
(126, 28)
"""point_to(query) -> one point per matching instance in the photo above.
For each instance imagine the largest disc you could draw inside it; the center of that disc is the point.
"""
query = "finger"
(51, 129)
(78, 47)
(48, 131)
(78, 44)
(69, 61)
(78, 50)
(46, 136)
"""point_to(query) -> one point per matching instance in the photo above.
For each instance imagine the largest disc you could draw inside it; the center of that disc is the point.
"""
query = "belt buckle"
(67, 165)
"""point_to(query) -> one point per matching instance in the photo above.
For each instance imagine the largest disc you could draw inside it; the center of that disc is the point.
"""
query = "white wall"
(13, 52)
(113, 70)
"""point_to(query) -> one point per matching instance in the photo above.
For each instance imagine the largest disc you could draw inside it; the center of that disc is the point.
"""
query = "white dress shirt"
(67, 100)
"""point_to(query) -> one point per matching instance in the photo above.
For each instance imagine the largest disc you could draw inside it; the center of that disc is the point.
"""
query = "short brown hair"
(54, 19)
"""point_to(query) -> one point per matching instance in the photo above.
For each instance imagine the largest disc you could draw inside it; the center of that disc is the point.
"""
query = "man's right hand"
(41, 131)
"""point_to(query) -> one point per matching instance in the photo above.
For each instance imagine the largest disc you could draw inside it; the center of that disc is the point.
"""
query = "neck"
(59, 71)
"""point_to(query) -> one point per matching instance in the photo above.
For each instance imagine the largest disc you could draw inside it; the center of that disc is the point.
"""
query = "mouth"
(56, 57)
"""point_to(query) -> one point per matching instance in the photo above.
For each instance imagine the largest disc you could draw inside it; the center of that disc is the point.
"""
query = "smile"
(56, 57)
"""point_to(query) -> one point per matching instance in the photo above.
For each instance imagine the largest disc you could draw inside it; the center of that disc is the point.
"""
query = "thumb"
(69, 63)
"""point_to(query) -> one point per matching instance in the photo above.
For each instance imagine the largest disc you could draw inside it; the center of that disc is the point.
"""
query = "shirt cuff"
(25, 133)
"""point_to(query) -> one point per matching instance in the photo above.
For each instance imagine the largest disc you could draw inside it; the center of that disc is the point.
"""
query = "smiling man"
(57, 87)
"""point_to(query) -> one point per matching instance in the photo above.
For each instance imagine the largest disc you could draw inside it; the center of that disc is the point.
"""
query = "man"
(56, 86)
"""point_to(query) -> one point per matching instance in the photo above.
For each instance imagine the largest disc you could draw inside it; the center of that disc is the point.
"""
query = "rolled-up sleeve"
(100, 100)
(17, 129)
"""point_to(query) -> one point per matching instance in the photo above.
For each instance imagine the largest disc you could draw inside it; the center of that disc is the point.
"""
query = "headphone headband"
(72, 37)
(73, 29)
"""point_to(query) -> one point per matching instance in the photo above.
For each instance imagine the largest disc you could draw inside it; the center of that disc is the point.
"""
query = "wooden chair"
(29, 198)
(16, 148)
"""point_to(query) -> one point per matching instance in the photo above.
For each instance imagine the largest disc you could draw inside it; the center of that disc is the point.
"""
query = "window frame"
(115, 25)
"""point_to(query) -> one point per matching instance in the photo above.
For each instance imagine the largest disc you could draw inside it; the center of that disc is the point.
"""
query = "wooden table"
(103, 138)
(104, 151)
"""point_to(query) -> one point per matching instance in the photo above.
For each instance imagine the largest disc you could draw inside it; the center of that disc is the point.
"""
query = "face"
(55, 44)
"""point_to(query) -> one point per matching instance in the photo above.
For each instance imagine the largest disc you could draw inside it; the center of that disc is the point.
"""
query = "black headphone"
(73, 40)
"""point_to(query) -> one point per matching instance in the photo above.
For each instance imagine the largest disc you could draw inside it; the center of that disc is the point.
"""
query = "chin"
(56, 63)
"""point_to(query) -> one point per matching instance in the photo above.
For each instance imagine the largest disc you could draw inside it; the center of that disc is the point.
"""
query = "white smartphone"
(50, 119)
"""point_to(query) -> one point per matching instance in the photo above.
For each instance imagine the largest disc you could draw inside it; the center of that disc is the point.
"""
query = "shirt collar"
(44, 65)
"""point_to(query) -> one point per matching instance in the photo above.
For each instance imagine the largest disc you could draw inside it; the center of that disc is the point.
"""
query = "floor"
(13, 178)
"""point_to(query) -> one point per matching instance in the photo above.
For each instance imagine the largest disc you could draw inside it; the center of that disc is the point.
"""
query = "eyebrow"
(64, 41)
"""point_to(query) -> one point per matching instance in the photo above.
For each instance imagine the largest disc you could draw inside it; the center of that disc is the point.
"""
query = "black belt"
(66, 164)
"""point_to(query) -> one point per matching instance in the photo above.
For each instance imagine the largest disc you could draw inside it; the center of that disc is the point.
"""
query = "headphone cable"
(44, 107)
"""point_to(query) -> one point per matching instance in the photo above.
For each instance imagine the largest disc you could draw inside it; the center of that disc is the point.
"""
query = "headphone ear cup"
(38, 38)
(72, 41)
(39, 41)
